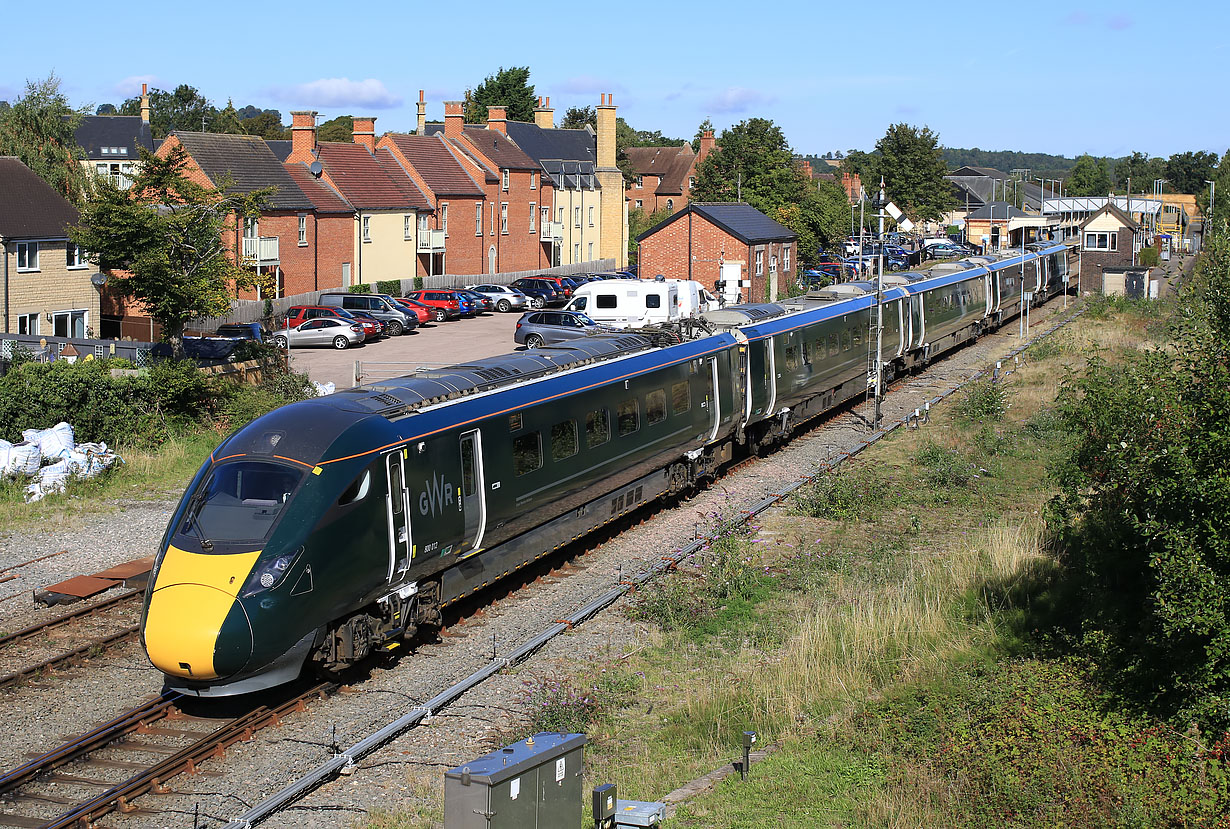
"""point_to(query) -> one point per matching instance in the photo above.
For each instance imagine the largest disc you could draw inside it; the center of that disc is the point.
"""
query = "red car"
(445, 304)
(423, 312)
(298, 314)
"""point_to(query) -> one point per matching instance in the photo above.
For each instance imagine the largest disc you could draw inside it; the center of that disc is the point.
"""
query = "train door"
(771, 378)
(473, 493)
(397, 510)
(712, 399)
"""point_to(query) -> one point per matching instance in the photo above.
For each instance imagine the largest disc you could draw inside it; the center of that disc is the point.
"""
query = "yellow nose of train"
(194, 627)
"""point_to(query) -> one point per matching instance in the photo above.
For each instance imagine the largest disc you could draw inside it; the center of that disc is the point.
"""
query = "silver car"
(320, 331)
(538, 328)
(504, 297)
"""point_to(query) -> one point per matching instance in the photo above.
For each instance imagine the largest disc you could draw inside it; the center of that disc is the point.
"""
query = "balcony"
(551, 232)
(431, 241)
(259, 251)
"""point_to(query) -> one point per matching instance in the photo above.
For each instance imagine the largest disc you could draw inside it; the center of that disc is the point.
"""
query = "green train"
(332, 528)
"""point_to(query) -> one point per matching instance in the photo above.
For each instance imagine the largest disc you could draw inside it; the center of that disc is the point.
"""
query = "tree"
(183, 109)
(1221, 180)
(864, 165)
(509, 88)
(1138, 168)
(340, 129)
(1188, 171)
(266, 124)
(1088, 177)
(163, 241)
(106, 109)
(913, 169)
(40, 129)
(577, 117)
(705, 126)
(638, 222)
(227, 121)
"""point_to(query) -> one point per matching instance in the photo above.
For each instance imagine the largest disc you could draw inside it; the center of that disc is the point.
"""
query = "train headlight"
(265, 575)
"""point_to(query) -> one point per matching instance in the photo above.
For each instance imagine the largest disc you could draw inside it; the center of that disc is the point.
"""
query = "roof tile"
(439, 169)
(30, 208)
(245, 163)
(360, 177)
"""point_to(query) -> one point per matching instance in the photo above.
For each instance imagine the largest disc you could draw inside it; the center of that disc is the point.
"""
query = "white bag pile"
(323, 389)
(64, 458)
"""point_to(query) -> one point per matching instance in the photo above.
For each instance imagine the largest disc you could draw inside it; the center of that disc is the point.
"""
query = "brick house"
(1108, 243)
(269, 243)
(387, 204)
(328, 231)
(709, 241)
(665, 176)
(47, 287)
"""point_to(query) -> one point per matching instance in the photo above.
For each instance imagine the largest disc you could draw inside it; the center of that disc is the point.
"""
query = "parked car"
(373, 329)
(381, 306)
(242, 331)
(423, 312)
(539, 290)
(538, 328)
(328, 331)
(563, 283)
(505, 298)
(446, 305)
(482, 303)
(296, 315)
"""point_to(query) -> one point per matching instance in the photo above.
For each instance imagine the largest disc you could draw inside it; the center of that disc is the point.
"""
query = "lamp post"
(1212, 201)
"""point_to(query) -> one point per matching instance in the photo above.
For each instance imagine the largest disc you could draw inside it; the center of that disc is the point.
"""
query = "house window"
(591, 216)
(533, 215)
(760, 263)
(639, 204)
(1102, 241)
(69, 323)
(101, 169)
(786, 258)
(638, 182)
(73, 257)
(590, 258)
(303, 231)
(407, 227)
(670, 205)
(576, 216)
(504, 180)
(478, 218)
(560, 216)
(546, 216)
(444, 217)
(27, 324)
(424, 223)
(691, 182)
(493, 220)
(576, 252)
(533, 180)
(367, 228)
(504, 218)
(27, 256)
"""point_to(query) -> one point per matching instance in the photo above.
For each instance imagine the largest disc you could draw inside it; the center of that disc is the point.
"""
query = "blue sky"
(1104, 78)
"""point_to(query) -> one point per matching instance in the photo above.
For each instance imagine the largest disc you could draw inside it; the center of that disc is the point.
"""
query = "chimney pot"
(422, 114)
(364, 131)
(303, 136)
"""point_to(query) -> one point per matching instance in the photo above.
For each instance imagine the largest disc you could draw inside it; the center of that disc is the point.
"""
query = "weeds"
(982, 401)
(944, 468)
(847, 494)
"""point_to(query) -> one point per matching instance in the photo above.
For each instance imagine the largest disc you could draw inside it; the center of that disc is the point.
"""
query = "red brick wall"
(334, 238)
(666, 253)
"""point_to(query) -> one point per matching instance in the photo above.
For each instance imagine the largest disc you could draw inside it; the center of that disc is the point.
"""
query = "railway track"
(134, 754)
(86, 648)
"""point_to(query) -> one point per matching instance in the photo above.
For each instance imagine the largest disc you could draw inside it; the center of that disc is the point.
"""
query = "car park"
(381, 306)
(326, 331)
(446, 304)
(544, 291)
(504, 297)
(424, 313)
(538, 328)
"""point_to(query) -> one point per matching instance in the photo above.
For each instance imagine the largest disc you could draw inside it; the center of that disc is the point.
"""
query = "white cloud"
(131, 85)
(339, 92)
(735, 99)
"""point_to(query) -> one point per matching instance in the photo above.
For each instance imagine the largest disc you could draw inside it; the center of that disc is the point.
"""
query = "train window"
(527, 453)
(792, 357)
(846, 340)
(655, 406)
(357, 490)
(469, 482)
(806, 352)
(564, 440)
(597, 428)
(628, 417)
(681, 398)
(395, 487)
(514, 422)
(832, 344)
(858, 337)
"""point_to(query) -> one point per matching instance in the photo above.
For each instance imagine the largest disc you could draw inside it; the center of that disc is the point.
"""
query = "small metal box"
(530, 784)
(639, 813)
(604, 805)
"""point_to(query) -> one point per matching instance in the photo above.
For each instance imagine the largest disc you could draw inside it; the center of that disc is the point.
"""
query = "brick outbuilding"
(733, 243)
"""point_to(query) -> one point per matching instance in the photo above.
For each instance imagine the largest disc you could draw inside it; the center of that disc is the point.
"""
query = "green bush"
(418, 283)
(360, 289)
(1149, 257)
(848, 494)
(944, 469)
(392, 287)
(982, 401)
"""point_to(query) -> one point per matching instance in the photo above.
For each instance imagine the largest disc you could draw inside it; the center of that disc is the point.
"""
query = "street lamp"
(1212, 196)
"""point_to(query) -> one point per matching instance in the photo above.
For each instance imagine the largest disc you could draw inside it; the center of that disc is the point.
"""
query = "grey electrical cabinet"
(532, 784)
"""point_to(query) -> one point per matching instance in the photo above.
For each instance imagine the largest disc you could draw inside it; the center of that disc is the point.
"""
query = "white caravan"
(622, 303)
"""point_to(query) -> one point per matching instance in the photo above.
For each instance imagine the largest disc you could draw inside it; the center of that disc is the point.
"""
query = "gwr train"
(333, 527)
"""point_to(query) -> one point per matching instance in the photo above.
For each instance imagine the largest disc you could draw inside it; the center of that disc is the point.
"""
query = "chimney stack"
(454, 119)
(364, 131)
(606, 132)
(302, 136)
(422, 130)
(497, 119)
(544, 116)
(706, 145)
(145, 103)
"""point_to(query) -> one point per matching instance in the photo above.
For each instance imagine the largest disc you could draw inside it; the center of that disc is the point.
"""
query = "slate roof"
(437, 166)
(318, 191)
(1124, 219)
(499, 150)
(360, 178)
(997, 210)
(744, 222)
(245, 163)
(569, 157)
(669, 164)
(988, 172)
(30, 208)
(281, 149)
(128, 132)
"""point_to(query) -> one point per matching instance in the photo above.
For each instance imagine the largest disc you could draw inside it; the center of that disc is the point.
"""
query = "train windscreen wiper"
(191, 522)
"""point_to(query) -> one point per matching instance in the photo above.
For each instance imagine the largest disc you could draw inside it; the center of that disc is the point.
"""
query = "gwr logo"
(436, 495)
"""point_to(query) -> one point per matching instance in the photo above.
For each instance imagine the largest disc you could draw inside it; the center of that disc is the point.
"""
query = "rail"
(346, 759)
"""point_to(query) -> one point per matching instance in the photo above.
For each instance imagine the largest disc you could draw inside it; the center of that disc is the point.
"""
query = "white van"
(622, 303)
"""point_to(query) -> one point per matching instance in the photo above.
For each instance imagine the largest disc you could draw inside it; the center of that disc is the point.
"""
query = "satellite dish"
(315, 169)
(98, 280)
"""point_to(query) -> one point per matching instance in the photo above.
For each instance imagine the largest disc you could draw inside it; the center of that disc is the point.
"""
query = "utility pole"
(879, 364)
